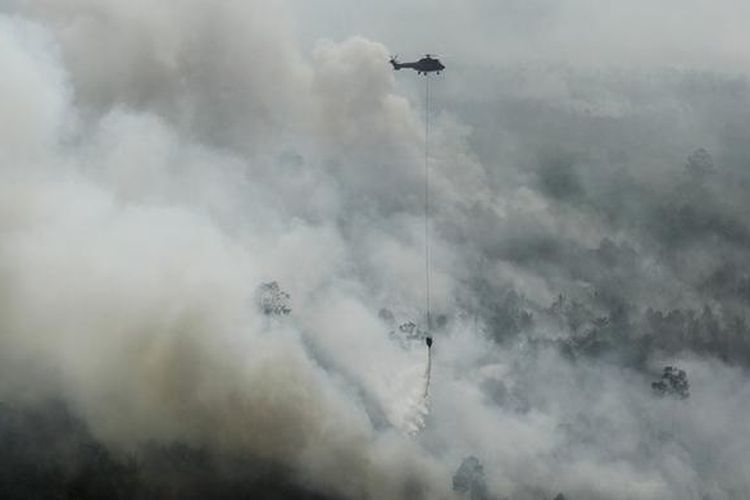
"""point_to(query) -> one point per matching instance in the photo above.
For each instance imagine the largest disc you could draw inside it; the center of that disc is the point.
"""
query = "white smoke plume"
(161, 160)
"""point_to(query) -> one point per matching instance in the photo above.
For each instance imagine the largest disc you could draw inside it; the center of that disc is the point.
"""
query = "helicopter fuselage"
(423, 66)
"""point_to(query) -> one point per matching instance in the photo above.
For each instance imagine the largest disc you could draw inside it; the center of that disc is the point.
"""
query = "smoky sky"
(163, 162)
(570, 33)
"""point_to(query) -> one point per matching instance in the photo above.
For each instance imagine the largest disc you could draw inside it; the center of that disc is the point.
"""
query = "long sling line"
(427, 202)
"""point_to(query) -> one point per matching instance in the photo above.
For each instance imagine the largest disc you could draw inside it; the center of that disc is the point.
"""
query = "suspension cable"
(427, 202)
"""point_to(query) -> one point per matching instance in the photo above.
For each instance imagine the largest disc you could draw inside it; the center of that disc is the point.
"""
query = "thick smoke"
(163, 163)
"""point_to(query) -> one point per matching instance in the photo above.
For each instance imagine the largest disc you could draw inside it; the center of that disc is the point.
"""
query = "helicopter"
(427, 64)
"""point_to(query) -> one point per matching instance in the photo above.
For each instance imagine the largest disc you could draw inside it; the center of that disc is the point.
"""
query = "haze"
(165, 163)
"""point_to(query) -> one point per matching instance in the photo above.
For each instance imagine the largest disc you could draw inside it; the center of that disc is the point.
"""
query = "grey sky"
(693, 34)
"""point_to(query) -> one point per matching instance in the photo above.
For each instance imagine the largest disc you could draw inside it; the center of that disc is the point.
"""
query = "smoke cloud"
(161, 162)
